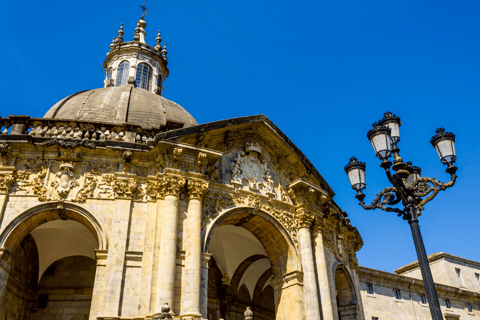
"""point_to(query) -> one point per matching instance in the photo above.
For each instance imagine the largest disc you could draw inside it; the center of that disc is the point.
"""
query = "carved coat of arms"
(249, 166)
(64, 179)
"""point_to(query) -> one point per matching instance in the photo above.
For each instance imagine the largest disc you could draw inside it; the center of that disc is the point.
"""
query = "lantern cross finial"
(144, 9)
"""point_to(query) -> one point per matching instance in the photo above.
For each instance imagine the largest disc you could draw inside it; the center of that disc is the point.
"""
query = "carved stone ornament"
(125, 188)
(6, 181)
(69, 143)
(304, 218)
(164, 184)
(214, 171)
(213, 204)
(38, 185)
(196, 188)
(249, 166)
(64, 179)
(88, 188)
(201, 162)
(4, 154)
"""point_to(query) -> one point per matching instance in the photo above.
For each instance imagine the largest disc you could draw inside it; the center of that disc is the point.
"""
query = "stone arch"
(347, 299)
(273, 236)
(33, 217)
(278, 246)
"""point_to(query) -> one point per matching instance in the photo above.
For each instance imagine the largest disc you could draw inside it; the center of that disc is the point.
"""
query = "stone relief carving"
(250, 166)
(214, 171)
(38, 185)
(88, 190)
(6, 182)
(163, 184)
(69, 143)
(124, 188)
(213, 203)
(4, 154)
(64, 179)
(201, 162)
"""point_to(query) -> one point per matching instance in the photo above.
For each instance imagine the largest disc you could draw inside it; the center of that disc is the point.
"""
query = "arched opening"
(143, 78)
(251, 256)
(346, 299)
(52, 263)
(122, 74)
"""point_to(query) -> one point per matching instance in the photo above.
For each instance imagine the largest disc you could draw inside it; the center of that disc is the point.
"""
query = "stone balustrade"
(86, 130)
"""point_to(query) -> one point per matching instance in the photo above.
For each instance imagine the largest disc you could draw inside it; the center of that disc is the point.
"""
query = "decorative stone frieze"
(88, 190)
(196, 188)
(64, 179)
(38, 185)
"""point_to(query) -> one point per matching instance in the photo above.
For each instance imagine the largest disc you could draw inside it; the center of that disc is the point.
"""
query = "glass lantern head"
(393, 122)
(380, 139)
(415, 172)
(444, 143)
(356, 174)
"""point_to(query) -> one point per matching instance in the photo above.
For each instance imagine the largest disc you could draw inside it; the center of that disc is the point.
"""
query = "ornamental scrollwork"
(38, 185)
(387, 196)
(88, 189)
(213, 204)
(421, 188)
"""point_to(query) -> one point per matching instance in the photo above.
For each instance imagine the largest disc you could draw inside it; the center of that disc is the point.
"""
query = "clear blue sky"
(322, 71)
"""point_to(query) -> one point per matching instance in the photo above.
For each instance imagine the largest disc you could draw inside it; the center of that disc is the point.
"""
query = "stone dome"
(123, 104)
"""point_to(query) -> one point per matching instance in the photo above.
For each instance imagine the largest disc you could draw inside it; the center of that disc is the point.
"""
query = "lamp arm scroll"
(388, 196)
(429, 188)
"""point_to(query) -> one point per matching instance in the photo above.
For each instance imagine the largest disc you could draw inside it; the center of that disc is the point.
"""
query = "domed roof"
(123, 104)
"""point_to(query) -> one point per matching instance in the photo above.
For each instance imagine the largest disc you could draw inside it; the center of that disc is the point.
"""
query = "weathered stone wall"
(68, 285)
(21, 290)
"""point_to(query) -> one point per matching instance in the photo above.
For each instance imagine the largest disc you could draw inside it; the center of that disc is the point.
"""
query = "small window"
(159, 81)
(144, 76)
(122, 74)
(469, 307)
(369, 288)
(109, 74)
(459, 277)
(398, 295)
(447, 304)
(477, 276)
(374, 318)
(423, 299)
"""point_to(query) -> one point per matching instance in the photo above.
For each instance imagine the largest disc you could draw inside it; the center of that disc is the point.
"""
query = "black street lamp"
(409, 187)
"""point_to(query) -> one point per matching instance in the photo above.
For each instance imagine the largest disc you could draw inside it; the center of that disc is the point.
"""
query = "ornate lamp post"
(408, 187)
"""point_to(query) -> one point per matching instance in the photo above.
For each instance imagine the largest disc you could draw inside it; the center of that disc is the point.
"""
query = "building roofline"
(413, 281)
(173, 134)
(434, 257)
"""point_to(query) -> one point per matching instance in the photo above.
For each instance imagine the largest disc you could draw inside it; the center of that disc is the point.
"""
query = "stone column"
(171, 186)
(193, 278)
(204, 285)
(322, 272)
(304, 221)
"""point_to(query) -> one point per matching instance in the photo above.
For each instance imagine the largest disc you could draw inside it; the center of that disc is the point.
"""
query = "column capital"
(303, 217)
(164, 184)
(205, 259)
(196, 188)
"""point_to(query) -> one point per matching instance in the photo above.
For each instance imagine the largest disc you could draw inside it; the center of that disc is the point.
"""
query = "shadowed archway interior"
(53, 268)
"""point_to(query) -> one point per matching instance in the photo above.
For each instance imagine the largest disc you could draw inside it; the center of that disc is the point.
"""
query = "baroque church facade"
(117, 204)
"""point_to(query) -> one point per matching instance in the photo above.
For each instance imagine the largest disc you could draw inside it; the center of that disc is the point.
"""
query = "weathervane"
(144, 9)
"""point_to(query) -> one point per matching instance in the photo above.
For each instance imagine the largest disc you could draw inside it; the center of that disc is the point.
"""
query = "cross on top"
(144, 9)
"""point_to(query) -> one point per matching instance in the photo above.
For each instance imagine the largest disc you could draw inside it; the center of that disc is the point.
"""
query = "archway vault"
(275, 239)
(33, 217)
